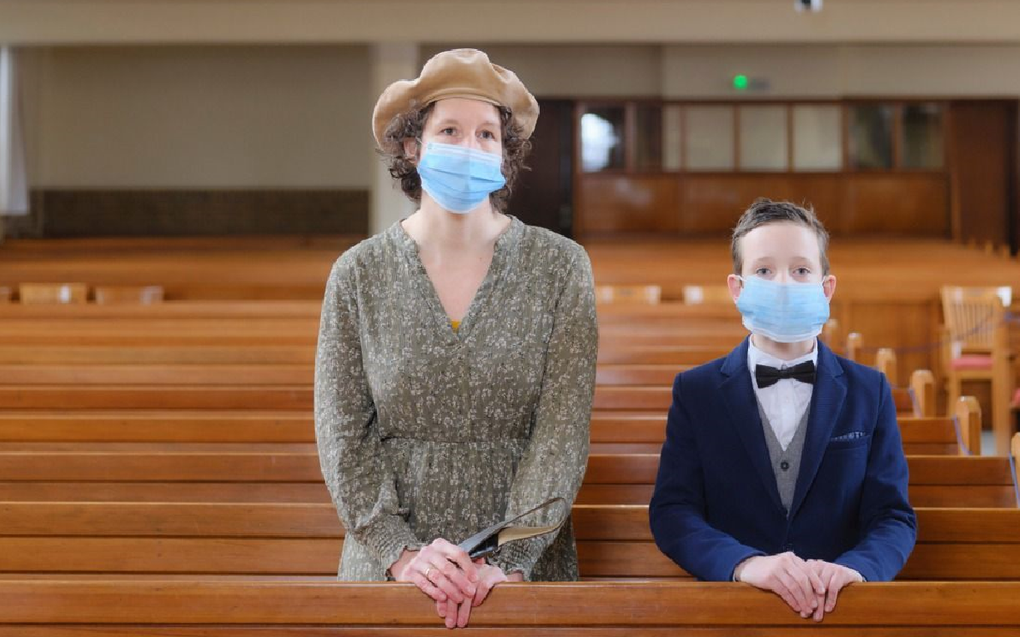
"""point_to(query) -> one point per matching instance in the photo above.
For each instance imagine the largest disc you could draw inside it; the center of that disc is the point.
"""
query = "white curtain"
(13, 181)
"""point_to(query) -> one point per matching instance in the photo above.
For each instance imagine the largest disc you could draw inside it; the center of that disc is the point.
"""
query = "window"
(648, 139)
(817, 142)
(709, 142)
(921, 136)
(870, 136)
(763, 138)
(602, 139)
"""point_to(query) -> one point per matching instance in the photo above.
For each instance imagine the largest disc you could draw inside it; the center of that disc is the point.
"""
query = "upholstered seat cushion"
(972, 361)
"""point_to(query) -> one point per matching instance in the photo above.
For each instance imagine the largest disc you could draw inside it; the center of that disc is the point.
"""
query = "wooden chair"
(885, 362)
(634, 294)
(128, 294)
(853, 345)
(707, 294)
(53, 293)
(976, 347)
(830, 334)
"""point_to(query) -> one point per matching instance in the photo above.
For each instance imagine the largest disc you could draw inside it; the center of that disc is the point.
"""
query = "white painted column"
(13, 181)
(391, 61)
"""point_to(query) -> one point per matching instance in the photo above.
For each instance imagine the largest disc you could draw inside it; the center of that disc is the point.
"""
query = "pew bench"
(613, 541)
(210, 608)
(286, 472)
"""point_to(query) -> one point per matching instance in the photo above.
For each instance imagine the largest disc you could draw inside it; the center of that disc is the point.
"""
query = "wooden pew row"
(145, 353)
(189, 608)
(611, 431)
(241, 394)
(614, 541)
(219, 375)
(673, 326)
(290, 473)
(644, 431)
(935, 481)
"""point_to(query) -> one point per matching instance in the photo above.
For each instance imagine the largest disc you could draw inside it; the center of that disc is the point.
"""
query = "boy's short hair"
(765, 211)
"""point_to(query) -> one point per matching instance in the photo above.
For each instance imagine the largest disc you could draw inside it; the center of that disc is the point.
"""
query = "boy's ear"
(829, 285)
(735, 286)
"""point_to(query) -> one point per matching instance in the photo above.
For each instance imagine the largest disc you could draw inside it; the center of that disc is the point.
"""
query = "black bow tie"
(769, 376)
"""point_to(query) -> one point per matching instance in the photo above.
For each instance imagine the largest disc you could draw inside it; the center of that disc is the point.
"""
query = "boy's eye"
(802, 271)
(763, 272)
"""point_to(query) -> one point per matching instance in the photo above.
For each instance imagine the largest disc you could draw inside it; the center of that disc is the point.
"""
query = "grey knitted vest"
(785, 464)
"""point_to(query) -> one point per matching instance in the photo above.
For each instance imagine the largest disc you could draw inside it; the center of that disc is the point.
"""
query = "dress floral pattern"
(427, 432)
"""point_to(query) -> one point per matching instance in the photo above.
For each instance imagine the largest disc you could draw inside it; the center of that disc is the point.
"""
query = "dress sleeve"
(356, 471)
(557, 454)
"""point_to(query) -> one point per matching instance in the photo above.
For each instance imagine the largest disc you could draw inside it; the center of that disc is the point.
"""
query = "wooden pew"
(209, 608)
(613, 541)
(615, 429)
(290, 473)
(623, 432)
(935, 481)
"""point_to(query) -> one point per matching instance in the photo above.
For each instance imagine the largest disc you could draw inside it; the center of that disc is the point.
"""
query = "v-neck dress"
(426, 432)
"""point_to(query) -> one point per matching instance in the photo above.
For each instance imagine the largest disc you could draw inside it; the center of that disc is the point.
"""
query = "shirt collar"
(757, 357)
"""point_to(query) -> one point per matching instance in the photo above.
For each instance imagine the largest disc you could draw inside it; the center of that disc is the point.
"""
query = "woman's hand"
(457, 615)
(441, 570)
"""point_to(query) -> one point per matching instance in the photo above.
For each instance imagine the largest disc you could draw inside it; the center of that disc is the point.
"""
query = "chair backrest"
(707, 294)
(972, 315)
(53, 293)
(128, 294)
(639, 294)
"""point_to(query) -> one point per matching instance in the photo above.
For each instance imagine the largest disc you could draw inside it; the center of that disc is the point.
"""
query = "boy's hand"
(834, 577)
(788, 576)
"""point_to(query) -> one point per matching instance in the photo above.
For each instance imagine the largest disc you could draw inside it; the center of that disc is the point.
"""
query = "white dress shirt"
(786, 402)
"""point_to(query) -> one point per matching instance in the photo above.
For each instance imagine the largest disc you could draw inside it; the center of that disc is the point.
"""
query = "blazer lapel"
(826, 404)
(742, 407)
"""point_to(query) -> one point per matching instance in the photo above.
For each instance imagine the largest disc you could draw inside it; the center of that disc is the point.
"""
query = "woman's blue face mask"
(783, 312)
(459, 178)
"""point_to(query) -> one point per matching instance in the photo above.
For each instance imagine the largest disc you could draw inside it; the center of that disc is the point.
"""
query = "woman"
(456, 357)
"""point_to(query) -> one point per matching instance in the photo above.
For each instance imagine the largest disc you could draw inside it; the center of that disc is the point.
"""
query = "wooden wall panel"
(168, 213)
(910, 325)
(982, 148)
(850, 204)
(631, 204)
(901, 204)
(712, 203)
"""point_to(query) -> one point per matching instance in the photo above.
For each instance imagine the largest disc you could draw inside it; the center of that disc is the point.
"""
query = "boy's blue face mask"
(459, 178)
(783, 312)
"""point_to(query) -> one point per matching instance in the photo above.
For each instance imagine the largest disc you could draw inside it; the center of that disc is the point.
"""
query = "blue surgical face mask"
(459, 178)
(783, 312)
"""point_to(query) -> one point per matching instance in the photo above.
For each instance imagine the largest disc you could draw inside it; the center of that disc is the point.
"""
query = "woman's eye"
(488, 135)
(447, 131)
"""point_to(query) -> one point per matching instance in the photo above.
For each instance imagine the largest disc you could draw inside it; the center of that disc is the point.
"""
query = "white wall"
(228, 117)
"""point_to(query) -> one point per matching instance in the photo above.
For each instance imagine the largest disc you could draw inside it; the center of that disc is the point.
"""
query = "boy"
(782, 465)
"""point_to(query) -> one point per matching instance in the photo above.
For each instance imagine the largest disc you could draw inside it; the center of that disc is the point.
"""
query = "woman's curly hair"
(410, 125)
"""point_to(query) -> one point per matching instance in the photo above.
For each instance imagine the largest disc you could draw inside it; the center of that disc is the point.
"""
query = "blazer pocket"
(841, 443)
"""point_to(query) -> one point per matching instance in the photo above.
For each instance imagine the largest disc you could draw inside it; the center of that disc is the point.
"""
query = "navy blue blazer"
(716, 502)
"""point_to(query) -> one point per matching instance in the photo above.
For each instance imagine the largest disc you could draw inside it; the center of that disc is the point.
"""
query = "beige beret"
(458, 73)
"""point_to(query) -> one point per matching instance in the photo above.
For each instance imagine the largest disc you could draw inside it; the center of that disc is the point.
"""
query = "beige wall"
(844, 70)
(298, 116)
(567, 71)
(233, 117)
(533, 21)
